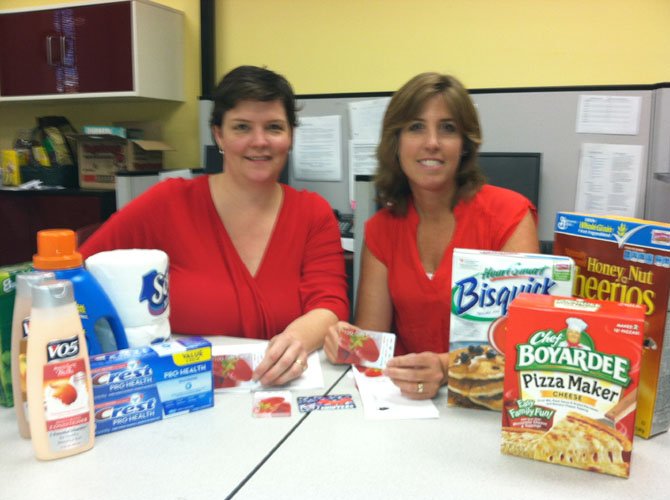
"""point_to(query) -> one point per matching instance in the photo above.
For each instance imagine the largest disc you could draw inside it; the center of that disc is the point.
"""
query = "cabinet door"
(24, 67)
(99, 48)
(83, 49)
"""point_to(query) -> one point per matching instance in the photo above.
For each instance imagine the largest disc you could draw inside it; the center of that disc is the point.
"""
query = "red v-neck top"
(421, 306)
(211, 290)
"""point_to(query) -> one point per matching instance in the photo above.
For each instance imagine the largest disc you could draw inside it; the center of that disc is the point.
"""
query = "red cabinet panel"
(69, 50)
(23, 213)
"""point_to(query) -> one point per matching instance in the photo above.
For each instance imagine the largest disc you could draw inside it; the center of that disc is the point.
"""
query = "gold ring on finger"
(301, 364)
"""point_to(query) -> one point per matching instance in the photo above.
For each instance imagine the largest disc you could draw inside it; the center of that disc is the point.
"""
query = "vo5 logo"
(63, 349)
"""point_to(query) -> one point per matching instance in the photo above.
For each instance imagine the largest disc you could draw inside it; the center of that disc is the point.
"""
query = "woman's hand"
(419, 376)
(285, 359)
(331, 342)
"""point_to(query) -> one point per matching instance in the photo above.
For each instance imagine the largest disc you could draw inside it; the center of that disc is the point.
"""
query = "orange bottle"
(58, 374)
(57, 252)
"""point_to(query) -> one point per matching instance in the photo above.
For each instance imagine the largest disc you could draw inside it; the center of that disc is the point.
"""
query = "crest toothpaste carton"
(140, 385)
(627, 260)
(484, 284)
(127, 410)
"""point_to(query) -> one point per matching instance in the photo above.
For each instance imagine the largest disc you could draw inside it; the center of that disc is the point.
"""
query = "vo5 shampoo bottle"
(58, 374)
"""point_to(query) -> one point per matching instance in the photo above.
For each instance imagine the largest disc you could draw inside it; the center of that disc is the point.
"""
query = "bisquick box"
(627, 260)
(141, 385)
(484, 284)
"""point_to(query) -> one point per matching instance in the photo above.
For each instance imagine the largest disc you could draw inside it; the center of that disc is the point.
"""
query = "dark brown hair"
(251, 83)
(392, 185)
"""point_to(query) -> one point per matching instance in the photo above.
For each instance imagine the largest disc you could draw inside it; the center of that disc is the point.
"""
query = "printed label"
(66, 405)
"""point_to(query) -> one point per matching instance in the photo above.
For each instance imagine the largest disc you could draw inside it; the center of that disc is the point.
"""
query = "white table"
(326, 454)
(201, 455)
(339, 454)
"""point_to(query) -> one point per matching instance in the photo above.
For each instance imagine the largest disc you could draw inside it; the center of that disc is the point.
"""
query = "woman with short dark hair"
(249, 257)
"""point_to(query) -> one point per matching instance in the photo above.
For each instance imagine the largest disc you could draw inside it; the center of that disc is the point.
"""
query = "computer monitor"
(519, 172)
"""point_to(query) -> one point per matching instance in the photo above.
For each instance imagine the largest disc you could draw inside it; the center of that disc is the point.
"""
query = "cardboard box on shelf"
(100, 156)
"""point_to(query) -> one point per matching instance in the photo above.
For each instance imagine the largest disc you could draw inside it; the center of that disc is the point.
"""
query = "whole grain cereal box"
(628, 260)
(571, 379)
(484, 284)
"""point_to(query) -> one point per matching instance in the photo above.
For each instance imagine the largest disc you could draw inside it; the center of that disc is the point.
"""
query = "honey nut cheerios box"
(484, 283)
(571, 378)
(628, 260)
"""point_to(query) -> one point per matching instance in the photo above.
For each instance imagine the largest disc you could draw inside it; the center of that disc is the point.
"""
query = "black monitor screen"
(519, 172)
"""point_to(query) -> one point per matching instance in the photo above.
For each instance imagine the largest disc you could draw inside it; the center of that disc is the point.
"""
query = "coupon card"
(233, 365)
(271, 404)
(330, 402)
(365, 347)
(230, 372)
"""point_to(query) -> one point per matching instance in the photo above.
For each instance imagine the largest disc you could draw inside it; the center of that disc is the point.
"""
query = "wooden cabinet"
(109, 49)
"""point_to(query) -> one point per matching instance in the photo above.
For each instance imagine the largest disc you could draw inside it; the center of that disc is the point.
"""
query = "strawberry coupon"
(233, 366)
(365, 348)
(272, 404)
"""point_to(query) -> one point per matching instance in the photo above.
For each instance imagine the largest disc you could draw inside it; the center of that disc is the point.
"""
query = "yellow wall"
(325, 46)
(330, 46)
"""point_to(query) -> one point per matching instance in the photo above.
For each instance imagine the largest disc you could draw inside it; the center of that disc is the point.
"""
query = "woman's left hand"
(419, 376)
(285, 359)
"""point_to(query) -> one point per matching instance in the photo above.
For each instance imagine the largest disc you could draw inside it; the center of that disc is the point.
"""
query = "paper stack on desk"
(382, 400)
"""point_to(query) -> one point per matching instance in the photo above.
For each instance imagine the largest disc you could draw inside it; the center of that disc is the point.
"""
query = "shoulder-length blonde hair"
(392, 185)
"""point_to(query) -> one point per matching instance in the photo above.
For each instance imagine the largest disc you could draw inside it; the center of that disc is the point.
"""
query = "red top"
(422, 306)
(211, 290)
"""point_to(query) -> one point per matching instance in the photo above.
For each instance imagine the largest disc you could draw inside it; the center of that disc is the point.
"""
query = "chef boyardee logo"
(155, 292)
(571, 352)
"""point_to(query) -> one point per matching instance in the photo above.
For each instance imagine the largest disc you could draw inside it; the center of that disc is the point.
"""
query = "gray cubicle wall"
(535, 121)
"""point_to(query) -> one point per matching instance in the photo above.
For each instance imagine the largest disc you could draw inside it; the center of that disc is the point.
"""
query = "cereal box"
(484, 283)
(571, 378)
(628, 260)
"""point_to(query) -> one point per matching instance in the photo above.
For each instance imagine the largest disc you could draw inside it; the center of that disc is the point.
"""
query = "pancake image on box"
(571, 380)
(484, 284)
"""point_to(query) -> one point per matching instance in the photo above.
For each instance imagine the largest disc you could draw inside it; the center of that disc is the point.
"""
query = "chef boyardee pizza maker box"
(571, 378)
(484, 283)
(628, 260)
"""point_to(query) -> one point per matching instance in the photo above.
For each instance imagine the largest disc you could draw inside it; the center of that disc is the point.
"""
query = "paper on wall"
(317, 149)
(609, 179)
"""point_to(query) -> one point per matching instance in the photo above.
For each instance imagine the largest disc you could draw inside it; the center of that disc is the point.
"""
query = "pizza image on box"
(571, 380)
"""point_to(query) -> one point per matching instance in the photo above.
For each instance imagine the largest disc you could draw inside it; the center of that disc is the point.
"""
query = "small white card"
(382, 399)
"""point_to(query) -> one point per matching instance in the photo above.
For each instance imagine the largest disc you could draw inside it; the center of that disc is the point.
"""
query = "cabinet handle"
(63, 59)
(50, 60)
(50, 51)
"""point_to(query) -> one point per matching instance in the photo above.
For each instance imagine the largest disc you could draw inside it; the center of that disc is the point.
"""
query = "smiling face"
(255, 137)
(430, 148)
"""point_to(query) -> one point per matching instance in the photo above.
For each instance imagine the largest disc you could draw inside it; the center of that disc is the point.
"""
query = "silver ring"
(419, 387)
